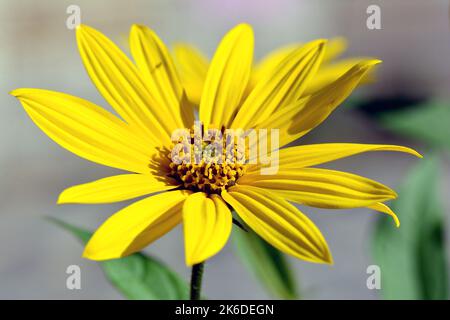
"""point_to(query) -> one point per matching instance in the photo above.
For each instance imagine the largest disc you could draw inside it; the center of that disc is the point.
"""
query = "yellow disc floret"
(208, 166)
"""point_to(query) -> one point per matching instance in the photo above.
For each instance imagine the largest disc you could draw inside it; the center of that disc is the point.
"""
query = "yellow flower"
(193, 67)
(150, 100)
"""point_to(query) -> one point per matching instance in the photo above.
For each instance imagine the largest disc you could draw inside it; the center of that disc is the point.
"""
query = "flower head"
(200, 174)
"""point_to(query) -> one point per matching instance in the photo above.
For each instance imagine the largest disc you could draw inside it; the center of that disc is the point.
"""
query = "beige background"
(37, 50)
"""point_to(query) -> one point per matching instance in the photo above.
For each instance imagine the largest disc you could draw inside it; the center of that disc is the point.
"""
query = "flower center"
(209, 166)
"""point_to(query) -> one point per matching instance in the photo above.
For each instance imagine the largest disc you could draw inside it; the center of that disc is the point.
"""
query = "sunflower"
(151, 104)
(193, 66)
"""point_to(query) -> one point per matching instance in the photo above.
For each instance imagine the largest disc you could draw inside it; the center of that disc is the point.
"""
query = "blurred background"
(38, 50)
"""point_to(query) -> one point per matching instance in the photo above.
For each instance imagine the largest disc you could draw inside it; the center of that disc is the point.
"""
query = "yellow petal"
(136, 226)
(282, 86)
(156, 66)
(322, 188)
(86, 129)
(116, 188)
(330, 72)
(207, 226)
(120, 83)
(279, 223)
(272, 60)
(334, 48)
(227, 76)
(315, 154)
(322, 103)
(313, 110)
(381, 207)
(193, 66)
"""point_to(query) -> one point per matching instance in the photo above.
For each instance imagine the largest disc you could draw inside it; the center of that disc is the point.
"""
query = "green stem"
(196, 280)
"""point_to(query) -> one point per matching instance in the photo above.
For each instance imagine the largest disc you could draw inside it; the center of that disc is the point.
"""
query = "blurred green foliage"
(266, 263)
(429, 123)
(138, 276)
(412, 258)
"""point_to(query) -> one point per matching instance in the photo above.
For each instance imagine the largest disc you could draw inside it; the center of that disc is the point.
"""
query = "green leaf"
(412, 258)
(428, 122)
(267, 264)
(138, 276)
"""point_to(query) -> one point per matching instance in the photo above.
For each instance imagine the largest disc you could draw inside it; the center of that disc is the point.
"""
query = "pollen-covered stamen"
(208, 166)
